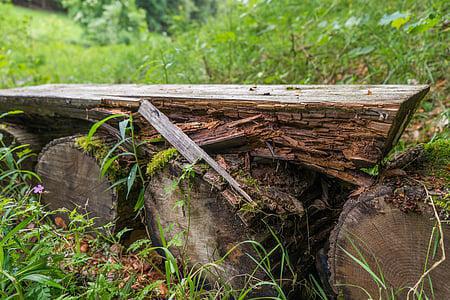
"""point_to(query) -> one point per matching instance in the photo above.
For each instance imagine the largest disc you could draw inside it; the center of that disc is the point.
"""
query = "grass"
(46, 26)
(255, 42)
(312, 42)
(40, 259)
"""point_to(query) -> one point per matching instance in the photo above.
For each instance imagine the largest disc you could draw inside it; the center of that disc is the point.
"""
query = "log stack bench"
(271, 163)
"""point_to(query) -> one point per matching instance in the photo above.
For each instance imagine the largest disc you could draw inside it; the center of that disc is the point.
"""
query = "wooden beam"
(187, 147)
(335, 129)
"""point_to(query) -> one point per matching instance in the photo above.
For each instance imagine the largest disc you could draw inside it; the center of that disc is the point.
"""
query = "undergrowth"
(45, 256)
(254, 42)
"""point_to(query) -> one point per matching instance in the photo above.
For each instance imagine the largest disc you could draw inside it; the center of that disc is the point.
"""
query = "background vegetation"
(252, 41)
(201, 41)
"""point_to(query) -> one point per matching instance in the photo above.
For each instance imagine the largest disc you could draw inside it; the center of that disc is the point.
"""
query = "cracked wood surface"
(187, 147)
(333, 129)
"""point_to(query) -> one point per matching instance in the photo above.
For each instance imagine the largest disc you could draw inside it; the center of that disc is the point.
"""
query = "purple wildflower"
(39, 189)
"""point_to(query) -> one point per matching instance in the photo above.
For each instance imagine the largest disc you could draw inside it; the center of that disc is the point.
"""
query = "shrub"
(107, 21)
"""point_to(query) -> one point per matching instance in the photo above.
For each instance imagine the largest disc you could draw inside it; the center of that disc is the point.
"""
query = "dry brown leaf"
(116, 249)
(59, 222)
(84, 247)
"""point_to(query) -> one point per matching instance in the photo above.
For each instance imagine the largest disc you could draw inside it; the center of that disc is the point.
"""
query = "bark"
(298, 205)
(335, 130)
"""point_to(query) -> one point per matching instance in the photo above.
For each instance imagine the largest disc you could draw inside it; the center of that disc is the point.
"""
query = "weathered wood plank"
(335, 129)
(292, 94)
(187, 147)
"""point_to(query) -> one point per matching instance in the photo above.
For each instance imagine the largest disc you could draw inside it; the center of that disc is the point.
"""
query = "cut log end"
(202, 221)
(72, 180)
(393, 235)
(207, 219)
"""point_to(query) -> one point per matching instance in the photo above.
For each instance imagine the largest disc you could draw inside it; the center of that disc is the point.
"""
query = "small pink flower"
(39, 189)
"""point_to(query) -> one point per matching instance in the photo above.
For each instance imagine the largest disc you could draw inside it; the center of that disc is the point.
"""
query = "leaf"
(108, 164)
(112, 150)
(95, 127)
(352, 21)
(423, 24)
(366, 267)
(14, 231)
(43, 279)
(396, 19)
(318, 289)
(323, 39)
(13, 112)
(225, 37)
(179, 203)
(140, 201)
(161, 234)
(360, 51)
(12, 172)
(2, 257)
(123, 128)
(131, 178)
(400, 22)
(118, 182)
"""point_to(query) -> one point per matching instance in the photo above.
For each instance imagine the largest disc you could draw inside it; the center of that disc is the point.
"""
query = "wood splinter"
(185, 145)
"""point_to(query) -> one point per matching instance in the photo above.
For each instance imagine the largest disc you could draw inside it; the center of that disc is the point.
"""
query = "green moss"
(438, 165)
(99, 150)
(438, 157)
(156, 140)
(247, 179)
(438, 151)
(160, 160)
(93, 146)
(372, 171)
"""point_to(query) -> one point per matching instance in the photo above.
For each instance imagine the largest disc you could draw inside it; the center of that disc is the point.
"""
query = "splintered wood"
(189, 149)
(336, 130)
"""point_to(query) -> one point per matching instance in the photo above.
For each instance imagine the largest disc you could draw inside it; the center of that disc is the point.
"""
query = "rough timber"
(332, 129)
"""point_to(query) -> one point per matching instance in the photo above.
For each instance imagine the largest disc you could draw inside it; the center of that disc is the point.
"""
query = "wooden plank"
(293, 94)
(337, 129)
(188, 148)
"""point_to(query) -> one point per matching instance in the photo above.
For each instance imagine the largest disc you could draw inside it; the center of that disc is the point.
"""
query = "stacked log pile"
(283, 160)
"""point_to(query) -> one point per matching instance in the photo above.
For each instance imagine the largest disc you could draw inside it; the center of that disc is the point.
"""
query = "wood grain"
(71, 179)
(206, 224)
(333, 129)
(188, 148)
(393, 241)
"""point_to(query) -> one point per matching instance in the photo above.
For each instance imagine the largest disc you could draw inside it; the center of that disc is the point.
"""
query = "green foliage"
(254, 42)
(443, 203)
(438, 158)
(162, 14)
(125, 173)
(247, 42)
(40, 261)
(160, 160)
(108, 21)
